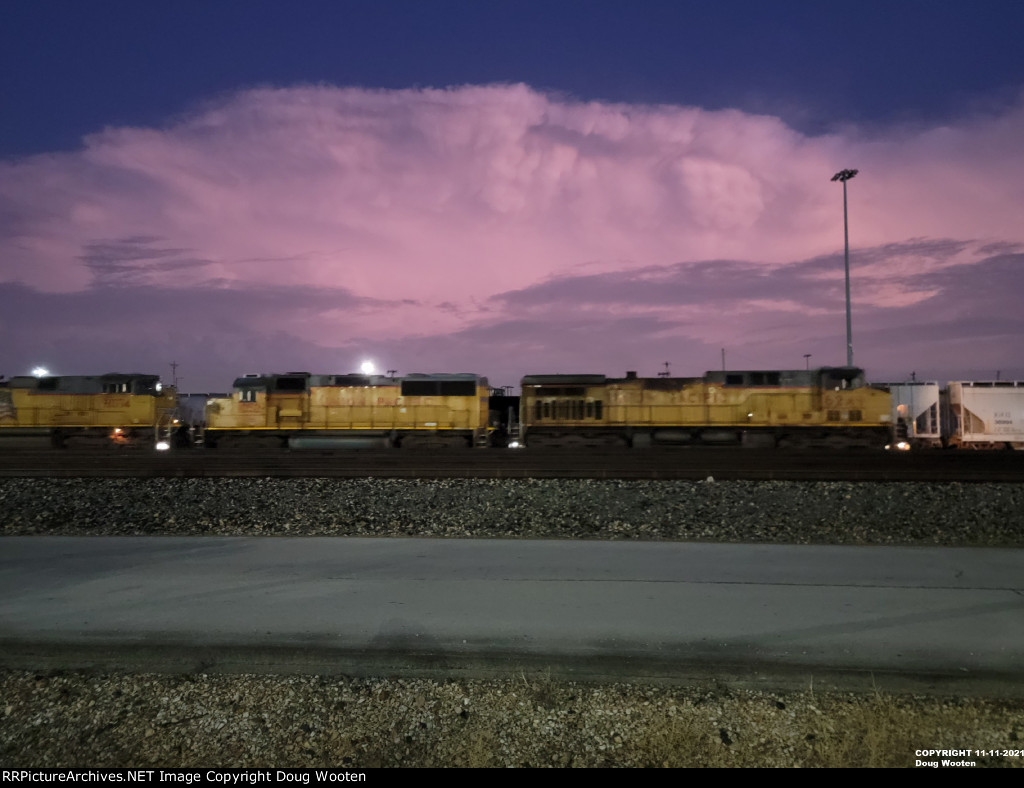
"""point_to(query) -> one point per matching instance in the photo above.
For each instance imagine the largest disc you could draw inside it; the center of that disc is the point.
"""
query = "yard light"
(844, 176)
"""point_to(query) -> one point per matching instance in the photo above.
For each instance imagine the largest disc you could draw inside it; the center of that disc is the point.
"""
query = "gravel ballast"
(947, 514)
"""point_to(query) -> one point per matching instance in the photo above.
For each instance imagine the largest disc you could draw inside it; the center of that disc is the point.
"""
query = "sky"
(510, 188)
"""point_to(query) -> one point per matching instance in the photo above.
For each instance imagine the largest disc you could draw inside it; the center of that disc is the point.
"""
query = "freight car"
(984, 414)
(916, 414)
(964, 415)
(305, 411)
(111, 410)
(826, 407)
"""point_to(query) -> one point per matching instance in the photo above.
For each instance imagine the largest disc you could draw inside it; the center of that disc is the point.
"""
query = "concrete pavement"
(920, 618)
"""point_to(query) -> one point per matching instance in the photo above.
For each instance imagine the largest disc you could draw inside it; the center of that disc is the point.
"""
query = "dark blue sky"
(69, 68)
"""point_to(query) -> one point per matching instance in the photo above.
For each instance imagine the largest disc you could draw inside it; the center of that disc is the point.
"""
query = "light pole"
(807, 360)
(844, 176)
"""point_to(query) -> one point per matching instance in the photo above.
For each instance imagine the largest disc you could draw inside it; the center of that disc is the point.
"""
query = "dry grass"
(830, 731)
(71, 719)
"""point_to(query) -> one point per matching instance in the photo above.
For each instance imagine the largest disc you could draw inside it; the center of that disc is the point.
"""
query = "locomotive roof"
(779, 377)
(825, 376)
(564, 380)
(350, 380)
(308, 380)
(752, 377)
(79, 384)
(837, 370)
(658, 382)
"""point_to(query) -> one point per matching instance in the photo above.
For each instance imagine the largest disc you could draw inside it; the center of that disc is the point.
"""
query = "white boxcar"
(986, 414)
(916, 412)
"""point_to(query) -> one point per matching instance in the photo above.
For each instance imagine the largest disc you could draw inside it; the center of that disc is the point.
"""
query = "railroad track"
(688, 464)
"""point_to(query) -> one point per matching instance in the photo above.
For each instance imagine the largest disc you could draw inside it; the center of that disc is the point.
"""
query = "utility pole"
(844, 176)
(174, 374)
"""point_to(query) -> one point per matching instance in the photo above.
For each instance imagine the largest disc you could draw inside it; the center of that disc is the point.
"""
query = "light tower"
(844, 176)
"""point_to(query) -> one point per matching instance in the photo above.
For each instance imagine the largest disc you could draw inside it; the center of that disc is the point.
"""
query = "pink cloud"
(424, 207)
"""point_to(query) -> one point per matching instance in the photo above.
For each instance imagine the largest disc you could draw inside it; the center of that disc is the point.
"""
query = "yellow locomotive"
(302, 410)
(831, 406)
(113, 409)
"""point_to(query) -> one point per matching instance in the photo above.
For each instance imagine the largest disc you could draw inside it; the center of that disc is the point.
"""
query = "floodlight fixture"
(844, 175)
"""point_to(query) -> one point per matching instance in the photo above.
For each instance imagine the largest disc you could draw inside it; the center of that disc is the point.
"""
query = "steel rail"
(721, 464)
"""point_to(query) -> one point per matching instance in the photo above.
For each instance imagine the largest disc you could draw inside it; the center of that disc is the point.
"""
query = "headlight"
(162, 445)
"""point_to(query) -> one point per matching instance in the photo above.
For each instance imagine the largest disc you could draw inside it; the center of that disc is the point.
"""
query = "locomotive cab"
(842, 378)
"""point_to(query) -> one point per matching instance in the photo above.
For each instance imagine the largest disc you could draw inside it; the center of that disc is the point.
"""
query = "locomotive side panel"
(443, 410)
(347, 403)
(567, 410)
(650, 402)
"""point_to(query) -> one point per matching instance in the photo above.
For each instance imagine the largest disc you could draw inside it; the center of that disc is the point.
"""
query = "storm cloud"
(509, 231)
